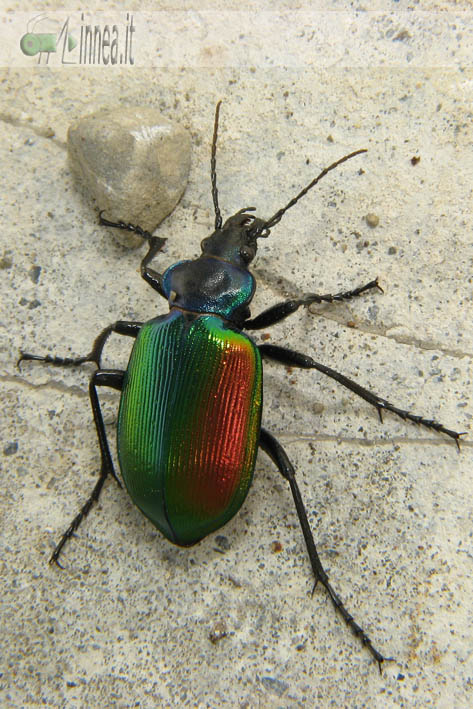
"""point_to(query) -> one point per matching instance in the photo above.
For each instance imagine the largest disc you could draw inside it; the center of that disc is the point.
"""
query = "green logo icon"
(33, 43)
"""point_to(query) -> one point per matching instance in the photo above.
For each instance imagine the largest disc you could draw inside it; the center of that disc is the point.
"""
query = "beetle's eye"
(247, 253)
(204, 242)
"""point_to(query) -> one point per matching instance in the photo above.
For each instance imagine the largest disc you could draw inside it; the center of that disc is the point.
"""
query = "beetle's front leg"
(156, 243)
(278, 455)
(278, 312)
(102, 377)
(121, 327)
(296, 359)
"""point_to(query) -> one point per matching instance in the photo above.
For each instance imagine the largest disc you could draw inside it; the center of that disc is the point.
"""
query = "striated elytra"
(189, 422)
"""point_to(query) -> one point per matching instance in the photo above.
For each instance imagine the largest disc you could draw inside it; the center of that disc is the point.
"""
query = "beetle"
(189, 421)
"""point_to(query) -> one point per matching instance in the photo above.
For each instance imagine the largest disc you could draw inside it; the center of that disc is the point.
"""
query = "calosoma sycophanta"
(189, 422)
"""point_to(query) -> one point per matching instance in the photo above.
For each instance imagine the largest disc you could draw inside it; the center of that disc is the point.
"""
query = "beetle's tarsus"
(407, 416)
(126, 226)
(26, 356)
(121, 327)
(355, 628)
(58, 361)
(279, 311)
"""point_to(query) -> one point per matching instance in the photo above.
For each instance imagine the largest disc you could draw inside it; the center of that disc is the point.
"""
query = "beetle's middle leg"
(121, 327)
(278, 312)
(102, 377)
(296, 359)
(276, 452)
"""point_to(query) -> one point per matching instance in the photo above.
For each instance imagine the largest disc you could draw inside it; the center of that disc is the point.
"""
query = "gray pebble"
(133, 162)
(372, 220)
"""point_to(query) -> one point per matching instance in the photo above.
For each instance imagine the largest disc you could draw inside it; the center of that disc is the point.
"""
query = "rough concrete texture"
(128, 621)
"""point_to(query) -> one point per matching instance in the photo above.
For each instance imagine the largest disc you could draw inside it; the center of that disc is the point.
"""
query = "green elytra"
(188, 424)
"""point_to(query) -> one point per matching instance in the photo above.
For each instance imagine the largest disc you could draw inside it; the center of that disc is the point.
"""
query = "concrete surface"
(127, 622)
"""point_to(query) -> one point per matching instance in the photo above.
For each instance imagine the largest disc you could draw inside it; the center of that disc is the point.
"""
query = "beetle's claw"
(376, 285)
(54, 560)
(26, 356)
(457, 439)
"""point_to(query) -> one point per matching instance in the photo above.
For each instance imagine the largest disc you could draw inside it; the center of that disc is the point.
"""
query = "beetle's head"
(235, 241)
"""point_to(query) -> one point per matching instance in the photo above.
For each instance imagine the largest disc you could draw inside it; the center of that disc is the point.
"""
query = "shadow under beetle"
(189, 422)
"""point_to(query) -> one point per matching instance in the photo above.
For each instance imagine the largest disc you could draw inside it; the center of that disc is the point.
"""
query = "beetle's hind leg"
(279, 311)
(102, 377)
(296, 359)
(121, 327)
(276, 452)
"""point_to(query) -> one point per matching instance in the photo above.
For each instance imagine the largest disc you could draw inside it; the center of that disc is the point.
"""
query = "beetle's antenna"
(213, 174)
(277, 217)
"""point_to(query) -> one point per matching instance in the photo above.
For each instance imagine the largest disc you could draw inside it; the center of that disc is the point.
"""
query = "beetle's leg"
(123, 225)
(278, 312)
(296, 359)
(276, 452)
(121, 327)
(156, 243)
(151, 276)
(103, 377)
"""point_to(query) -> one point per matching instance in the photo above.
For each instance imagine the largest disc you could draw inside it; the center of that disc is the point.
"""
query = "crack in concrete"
(286, 290)
(55, 385)
(369, 442)
(364, 329)
(427, 345)
(23, 121)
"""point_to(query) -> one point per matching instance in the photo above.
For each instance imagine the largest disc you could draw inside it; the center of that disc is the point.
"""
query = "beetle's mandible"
(189, 422)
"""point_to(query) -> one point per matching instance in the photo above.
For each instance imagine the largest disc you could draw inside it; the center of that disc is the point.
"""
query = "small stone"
(6, 262)
(372, 220)
(35, 272)
(133, 162)
(218, 632)
(10, 448)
